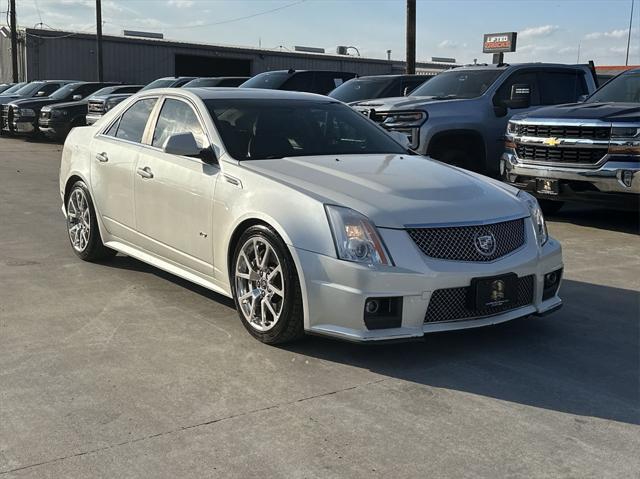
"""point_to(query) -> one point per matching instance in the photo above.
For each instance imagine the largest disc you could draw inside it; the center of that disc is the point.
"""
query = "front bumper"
(53, 129)
(26, 126)
(605, 183)
(335, 291)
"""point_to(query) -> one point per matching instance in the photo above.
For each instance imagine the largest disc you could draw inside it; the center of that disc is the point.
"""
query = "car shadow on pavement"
(574, 361)
(601, 218)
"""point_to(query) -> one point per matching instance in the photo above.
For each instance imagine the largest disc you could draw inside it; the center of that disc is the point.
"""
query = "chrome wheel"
(259, 283)
(78, 219)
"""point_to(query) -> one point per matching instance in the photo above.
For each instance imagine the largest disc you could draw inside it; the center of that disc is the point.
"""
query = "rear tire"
(550, 207)
(82, 225)
(265, 287)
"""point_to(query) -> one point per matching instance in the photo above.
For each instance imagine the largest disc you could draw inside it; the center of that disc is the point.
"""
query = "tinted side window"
(299, 82)
(49, 88)
(561, 87)
(134, 120)
(177, 117)
(530, 78)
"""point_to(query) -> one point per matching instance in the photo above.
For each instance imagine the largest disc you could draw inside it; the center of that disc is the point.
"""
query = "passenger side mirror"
(184, 144)
(76, 97)
(400, 138)
(520, 96)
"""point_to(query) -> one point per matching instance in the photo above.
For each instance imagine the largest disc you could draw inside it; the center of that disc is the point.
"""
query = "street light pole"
(411, 37)
(629, 34)
(99, 39)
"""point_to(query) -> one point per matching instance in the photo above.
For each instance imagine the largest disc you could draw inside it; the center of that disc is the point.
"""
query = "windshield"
(13, 89)
(202, 82)
(266, 129)
(360, 89)
(102, 91)
(458, 84)
(160, 83)
(270, 80)
(623, 89)
(64, 92)
(29, 88)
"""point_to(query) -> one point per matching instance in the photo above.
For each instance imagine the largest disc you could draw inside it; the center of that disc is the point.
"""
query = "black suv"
(378, 86)
(34, 89)
(310, 81)
(218, 82)
(23, 114)
(57, 120)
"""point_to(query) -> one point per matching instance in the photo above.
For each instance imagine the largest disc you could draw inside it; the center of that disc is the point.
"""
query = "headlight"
(511, 128)
(26, 112)
(625, 140)
(356, 238)
(109, 104)
(58, 113)
(405, 119)
(536, 216)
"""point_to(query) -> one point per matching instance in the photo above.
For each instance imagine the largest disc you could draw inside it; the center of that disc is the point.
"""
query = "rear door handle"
(145, 172)
(102, 157)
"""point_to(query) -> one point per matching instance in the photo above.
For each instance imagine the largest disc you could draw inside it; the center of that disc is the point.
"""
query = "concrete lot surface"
(120, 370)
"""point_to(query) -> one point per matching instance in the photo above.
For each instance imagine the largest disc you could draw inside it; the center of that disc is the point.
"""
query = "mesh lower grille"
(460, 243)
(451, 304)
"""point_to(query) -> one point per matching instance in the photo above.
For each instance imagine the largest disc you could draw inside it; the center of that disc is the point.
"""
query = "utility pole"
(14, 39)
(629, 35)
(99, 39)
(411, 37)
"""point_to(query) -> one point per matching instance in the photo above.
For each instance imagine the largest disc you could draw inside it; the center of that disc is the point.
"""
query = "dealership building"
(53, 54)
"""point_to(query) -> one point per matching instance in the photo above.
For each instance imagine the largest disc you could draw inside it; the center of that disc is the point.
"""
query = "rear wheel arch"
(69, 186)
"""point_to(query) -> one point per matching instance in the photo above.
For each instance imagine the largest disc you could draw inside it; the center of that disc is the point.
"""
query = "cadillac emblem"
(485, 243)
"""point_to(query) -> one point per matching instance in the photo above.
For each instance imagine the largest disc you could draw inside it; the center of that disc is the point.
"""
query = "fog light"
(551, 284)
(627, 178)
(382, 313)
(372, 306)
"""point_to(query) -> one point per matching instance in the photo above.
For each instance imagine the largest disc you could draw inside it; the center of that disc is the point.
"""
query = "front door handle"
(145, 172)
(102, 157)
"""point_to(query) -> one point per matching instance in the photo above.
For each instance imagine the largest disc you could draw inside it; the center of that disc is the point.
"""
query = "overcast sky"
(549, 30)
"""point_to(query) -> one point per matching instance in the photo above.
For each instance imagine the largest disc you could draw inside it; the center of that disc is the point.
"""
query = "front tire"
(265, 287)
(82, 226)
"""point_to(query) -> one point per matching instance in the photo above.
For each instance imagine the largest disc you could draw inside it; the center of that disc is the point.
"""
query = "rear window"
(132, 123)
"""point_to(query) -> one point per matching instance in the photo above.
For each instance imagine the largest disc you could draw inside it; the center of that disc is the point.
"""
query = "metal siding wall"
(140, 61)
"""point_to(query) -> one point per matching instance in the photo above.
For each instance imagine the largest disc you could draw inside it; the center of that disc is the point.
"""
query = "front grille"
(7, 117)
(560, 155)
(460, 243)
(451, 304)
(96, 106)
(564, 131)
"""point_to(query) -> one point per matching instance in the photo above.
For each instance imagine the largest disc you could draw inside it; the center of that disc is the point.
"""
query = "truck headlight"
(355, 237)
(404, 119)
(58, 113)
(536, 216)
(109, 104)
(625, 140)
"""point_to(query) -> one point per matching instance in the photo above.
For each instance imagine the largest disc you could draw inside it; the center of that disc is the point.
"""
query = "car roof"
(240, 94)
(505, 66)
(400, 75)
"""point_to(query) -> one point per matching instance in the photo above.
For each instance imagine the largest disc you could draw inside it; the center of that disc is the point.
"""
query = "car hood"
(588, 111)
(34, 102)
(401, 102)
(70, 104)
(395, 190)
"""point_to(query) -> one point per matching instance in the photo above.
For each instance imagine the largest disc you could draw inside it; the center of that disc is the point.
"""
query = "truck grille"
(7, 117)
(458, 243)
(564, 131)
(96, 106)
(451, 304)
(560, 155)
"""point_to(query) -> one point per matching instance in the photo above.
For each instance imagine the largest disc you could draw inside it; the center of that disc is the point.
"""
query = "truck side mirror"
(41, 93)
(76, 97)
(406, 91)
(582, 98)
(520, 96)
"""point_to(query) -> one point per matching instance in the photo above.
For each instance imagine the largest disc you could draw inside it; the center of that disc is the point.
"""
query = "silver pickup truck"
(460, 115)
(586, 151)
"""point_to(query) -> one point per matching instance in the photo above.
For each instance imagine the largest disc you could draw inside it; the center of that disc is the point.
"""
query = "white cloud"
(448, 44)
(612, 34)
(541, 31)
(180, 3)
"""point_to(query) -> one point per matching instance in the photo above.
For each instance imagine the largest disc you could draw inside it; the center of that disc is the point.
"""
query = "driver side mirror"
(520, 96)
(76, 97)
(582, 98)
(41, 93)
(184, 144)
(406, 91)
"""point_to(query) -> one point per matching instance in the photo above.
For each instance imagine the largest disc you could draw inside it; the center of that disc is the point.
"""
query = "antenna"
(629, 35)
